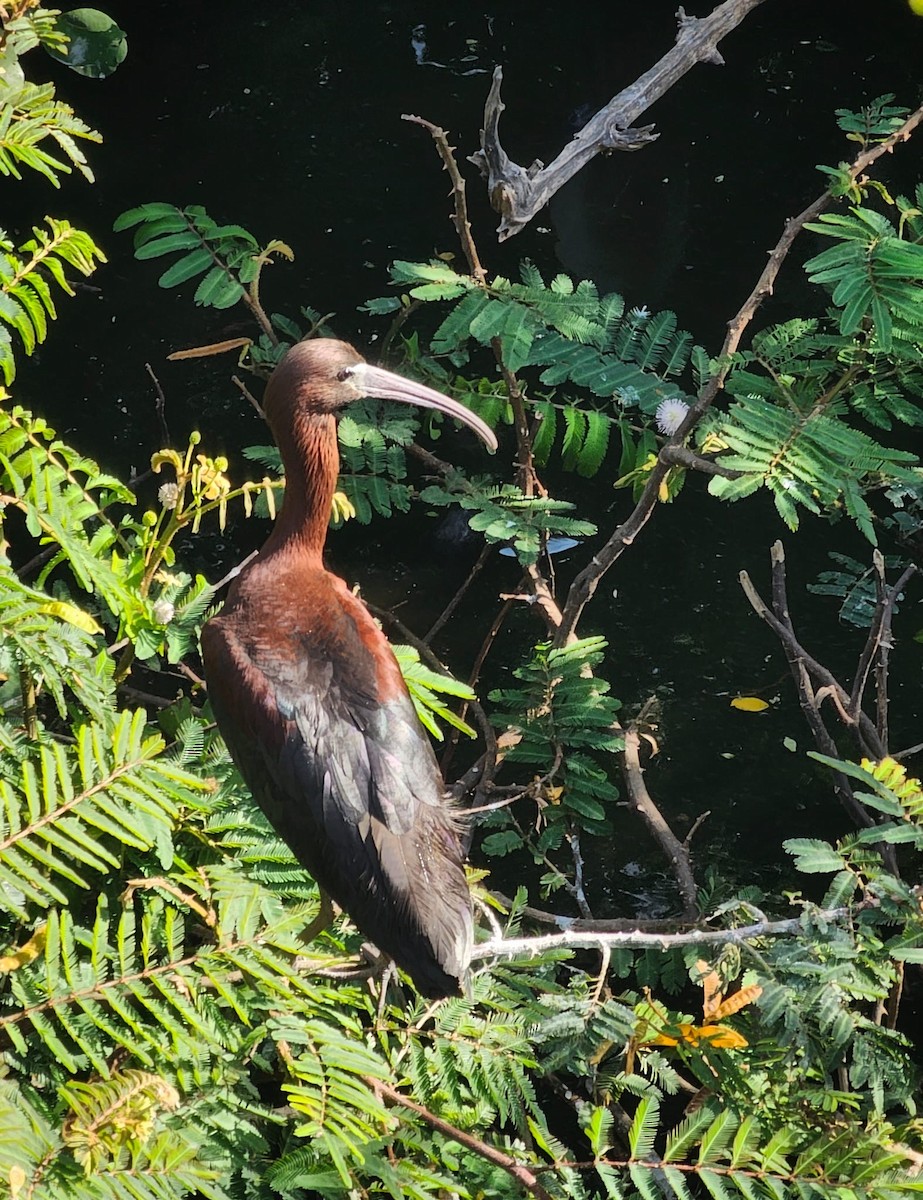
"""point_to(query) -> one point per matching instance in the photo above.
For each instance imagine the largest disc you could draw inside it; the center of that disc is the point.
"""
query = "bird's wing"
(326, 737)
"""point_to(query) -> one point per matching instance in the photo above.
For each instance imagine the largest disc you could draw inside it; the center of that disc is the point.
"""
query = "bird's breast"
(286, 613)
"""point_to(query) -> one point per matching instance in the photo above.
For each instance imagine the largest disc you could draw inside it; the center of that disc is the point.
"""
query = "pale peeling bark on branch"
(518, 193)
(581, 939)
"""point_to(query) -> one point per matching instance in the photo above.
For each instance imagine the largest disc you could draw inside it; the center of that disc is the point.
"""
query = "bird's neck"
(312, 463)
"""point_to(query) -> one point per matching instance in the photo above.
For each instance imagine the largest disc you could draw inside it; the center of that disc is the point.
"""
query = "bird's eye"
(344, 374)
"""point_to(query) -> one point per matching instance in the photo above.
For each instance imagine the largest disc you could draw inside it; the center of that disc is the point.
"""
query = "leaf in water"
(96, 45)
(751, 704)
(790, 744)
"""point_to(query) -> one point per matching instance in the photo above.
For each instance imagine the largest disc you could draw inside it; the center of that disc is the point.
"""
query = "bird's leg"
(322, 920)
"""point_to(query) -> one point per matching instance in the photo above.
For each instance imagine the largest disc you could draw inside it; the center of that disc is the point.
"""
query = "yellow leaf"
(735, 1003)
(711, 985)
(17, 1181)
(25, 954)
(72, 615)
(166, 456)
(721, 1036)
(343, 507)
(665, 1039)
(749, 704)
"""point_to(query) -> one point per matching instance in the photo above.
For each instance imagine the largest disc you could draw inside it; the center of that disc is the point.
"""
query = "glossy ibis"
(312, 704)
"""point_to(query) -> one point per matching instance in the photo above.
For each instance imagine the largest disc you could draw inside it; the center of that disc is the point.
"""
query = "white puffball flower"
(168, 495)
(670, 415)
(163, 612)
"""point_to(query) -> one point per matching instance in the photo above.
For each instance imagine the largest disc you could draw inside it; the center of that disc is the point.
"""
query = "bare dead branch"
(807, 672)
(642, 803)
(573, 939)
(518, 193)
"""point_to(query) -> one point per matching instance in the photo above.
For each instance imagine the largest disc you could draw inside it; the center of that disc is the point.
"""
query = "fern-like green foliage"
(53, 643)
(426, 687)
(560, 724)
(64, 498)
(874, 275)
(853, 583)
(875, 122)
(30, 116)
(569, 329)
(26, 276)
(72, 808)
(812, 459)
(506, 516)
(729, 1155)
(227, 257)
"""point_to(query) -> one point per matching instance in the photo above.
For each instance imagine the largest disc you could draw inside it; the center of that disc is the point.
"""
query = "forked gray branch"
(518, 193)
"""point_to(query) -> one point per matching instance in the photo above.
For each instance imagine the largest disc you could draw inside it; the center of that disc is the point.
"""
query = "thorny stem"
(460, 202)
(573, 838)
(526, 478)
(877, 647)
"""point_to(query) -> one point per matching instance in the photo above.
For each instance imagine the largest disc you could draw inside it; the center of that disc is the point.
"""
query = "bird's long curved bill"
(384, 385)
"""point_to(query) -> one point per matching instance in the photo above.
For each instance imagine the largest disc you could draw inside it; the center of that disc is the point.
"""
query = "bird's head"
(321, 375)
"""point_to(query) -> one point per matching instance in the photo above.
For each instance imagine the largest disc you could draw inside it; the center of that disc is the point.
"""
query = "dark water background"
(285, 117)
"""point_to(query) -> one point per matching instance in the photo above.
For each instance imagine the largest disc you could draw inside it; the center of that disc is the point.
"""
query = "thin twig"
(641, 801)
(460, 203)
(242, 387)
(523, 1175)
(486, 552)
(486, 769)
(873, 640)
(160, 406)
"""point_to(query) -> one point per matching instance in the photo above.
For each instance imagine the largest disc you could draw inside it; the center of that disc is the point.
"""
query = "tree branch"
(518, 193)
(523, 1175)
(643, 804)
(579, 939)
(459, 200)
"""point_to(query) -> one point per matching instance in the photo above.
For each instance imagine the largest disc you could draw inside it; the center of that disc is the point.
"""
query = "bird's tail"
(422, 869)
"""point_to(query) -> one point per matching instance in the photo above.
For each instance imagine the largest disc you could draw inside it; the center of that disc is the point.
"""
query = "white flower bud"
(670, 415)
(168, 495)
(163, 612)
